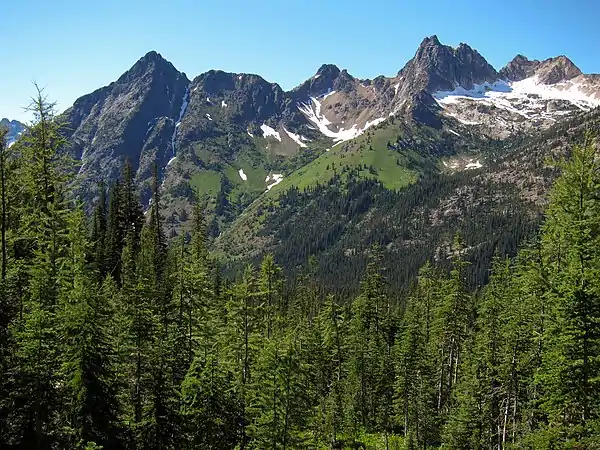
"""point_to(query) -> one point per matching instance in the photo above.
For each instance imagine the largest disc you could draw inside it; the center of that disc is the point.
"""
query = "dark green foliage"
(115, 338)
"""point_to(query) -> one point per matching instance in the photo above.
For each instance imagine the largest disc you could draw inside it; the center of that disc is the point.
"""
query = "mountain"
(242, 145)
(15, 129)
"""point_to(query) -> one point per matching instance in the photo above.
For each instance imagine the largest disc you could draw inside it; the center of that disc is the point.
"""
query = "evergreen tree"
(92, 405)
(570, 242)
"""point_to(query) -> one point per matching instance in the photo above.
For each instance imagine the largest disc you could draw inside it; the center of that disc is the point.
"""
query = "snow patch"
(208, 100)
(171, 160)
(275, 178)
(396, 87)
(223, 104)
(208, 116)
(249, 134)
(243, 175)
(453, 132)
(372, 123)
(268, 131)
(295, 137)
(473, 165)
(467, 122)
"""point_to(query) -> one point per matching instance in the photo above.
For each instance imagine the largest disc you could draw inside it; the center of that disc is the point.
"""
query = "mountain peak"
(328, 71)
(149, 62)
(430, 41)
(550, 71)
(440, 67)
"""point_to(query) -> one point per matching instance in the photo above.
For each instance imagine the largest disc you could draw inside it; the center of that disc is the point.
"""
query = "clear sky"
(72, 47)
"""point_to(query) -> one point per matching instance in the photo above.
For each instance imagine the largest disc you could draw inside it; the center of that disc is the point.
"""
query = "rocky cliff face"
(549, 71)
(437, 67)
(133, 118)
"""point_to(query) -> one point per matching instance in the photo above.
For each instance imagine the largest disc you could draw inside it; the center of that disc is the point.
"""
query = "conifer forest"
(114, 335)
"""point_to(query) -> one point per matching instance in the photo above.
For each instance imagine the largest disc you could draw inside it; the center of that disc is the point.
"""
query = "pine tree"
(211, 410)
(270, 293)
(98, 234)
(570, 242)
(34, 382)
(241, 342)
(415, 385)
(453, 319)
(92, 405)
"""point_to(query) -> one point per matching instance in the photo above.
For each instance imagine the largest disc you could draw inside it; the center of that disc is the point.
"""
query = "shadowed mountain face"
(228, 136)
(15, 129)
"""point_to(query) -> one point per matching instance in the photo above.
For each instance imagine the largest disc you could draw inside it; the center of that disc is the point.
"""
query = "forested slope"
(112, 338)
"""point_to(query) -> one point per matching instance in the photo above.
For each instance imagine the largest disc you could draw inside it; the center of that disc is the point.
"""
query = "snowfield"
(527, 98)
(268, 131)
(275, 178)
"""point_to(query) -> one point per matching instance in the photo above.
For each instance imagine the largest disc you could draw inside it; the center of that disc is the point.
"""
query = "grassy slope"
(394, 168)
(370, 149)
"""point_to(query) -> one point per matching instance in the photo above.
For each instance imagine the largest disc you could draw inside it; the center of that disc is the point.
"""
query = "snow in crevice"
(150, 126)
(467, 122)
(184, 104)
(328, 94)
(273, 180)
(223, 104)
(208, 116)
(453, 132)
(295, 137)
(396, 87)
(249, 134)
(312, 111)
(268, 131)
(208, 100)
(171, 160)
(243, 176)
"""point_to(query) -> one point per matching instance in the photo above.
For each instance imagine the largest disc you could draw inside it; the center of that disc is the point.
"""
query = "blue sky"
(72, 47)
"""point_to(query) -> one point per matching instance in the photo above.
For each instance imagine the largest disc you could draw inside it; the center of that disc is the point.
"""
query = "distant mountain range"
(15, 129)
(239, 142)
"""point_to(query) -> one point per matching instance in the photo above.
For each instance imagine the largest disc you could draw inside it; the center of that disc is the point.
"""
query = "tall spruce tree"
(571, 248)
